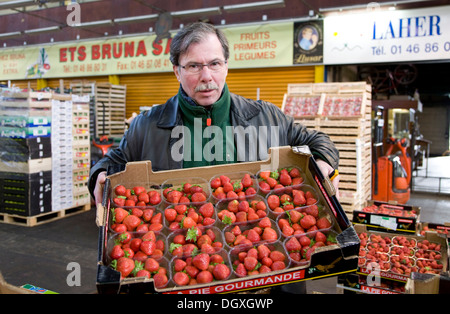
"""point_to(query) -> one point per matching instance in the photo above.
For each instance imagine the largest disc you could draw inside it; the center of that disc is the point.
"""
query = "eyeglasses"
(195, 68)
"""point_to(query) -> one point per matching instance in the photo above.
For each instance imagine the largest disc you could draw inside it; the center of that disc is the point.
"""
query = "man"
(205, 124)
(232, 128)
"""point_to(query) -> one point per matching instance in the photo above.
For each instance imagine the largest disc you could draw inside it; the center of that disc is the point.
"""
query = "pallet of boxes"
(27, 162)
(343, 111)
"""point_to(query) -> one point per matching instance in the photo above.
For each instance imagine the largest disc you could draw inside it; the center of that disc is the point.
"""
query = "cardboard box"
(6, 288)
(25, 194)
(326, 261)
(21, 150)
(389, 273)
(394, 217)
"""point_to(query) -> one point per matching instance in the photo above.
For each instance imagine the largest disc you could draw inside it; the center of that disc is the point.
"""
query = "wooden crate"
(351, 132)
(110, 119)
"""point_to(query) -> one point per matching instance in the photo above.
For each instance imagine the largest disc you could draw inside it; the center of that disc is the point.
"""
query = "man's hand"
(326, 170)
(98, 190)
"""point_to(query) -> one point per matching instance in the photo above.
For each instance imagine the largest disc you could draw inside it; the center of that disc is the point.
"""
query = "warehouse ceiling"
(29, 22)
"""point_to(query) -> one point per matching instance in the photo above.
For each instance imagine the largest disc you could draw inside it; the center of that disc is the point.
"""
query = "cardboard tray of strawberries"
(385, 216)
(395, 256)
(214, 230)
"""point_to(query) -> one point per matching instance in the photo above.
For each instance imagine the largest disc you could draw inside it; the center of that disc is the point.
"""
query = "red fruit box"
(328, 261)
(407, 258)
(443, 228)
(384, 216)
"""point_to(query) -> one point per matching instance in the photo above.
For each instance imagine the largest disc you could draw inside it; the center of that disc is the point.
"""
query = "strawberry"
(119, 214)
(320, 237)
(264, 187)
(180, 279)
(293, 245)
(119, 201)
(206, 210)
(170, 214)
(277, 256)
(240, 270)
(294, 173)
(179, 265)
(117, 252)
(247, 181)
(264, 223)
(221, 271)
(131, 222)
(188, 223)
(154, 197)
(307, 221)
(151, 265)
(215, 183)
(143, 273)
(131, 203)
(160, 280)
(174, 196)
(285, 179)
(269, 234)
(120, 190)
(135, 244)
(125, 266)
(263, 251)
(253, 236)
(198, 197)
(138, 190)
(278, 265)
(204, 276)
(148, 247)
(143, 197)
(304, 240)
(250, 263)
(323, 223)
(273, 201)
(201, 261)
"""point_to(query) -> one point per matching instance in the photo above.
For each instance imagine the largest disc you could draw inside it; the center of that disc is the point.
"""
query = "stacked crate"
(343, 111)
(70, 151)
(81, 149)
(107, 108)
(25, 157)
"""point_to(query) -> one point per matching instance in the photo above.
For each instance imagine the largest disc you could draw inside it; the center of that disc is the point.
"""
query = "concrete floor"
(41, 255)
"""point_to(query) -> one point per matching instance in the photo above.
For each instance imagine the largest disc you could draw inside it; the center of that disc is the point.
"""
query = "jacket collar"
(242, 110)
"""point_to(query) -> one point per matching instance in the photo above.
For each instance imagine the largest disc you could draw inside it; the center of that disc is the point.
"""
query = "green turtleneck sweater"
(206, 141)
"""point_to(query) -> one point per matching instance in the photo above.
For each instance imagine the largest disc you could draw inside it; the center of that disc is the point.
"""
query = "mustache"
(207, 86)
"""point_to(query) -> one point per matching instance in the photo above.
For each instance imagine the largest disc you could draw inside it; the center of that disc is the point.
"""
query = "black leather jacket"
(149, 136)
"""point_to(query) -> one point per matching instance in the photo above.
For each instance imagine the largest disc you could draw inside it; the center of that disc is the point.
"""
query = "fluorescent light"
(95, 23)
(4, 5)
(136, 19)
(10, 35)
(42, 30)
(236, 8)
(366, 6)
(196, 12)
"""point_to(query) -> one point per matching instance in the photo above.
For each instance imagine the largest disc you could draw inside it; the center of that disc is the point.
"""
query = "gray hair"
(195, 33)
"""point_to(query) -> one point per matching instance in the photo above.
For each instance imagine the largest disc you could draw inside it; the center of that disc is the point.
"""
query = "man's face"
(206, 86)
